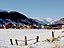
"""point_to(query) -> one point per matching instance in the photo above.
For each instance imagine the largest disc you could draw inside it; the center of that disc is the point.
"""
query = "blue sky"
(35, 8)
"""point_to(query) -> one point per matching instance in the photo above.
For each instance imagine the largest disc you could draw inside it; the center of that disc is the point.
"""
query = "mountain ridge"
(18, 18)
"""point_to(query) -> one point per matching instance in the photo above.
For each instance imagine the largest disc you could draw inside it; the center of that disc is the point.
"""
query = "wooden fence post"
(52, 36)
(11, 41)
(16, 41)
(37, 39)
(25, 40)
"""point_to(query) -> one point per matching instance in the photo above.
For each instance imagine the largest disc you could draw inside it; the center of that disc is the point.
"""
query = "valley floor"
(19, 34)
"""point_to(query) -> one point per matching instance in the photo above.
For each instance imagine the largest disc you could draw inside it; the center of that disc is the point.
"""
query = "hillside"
(60, 21)
(15, 17)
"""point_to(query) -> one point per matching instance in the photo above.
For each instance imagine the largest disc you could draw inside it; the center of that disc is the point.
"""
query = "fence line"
(21, 40)
(26, 40)
(31, 39)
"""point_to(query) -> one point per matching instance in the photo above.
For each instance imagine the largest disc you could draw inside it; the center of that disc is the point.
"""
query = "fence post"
(37, 39)
(25, 40)
(11, 41)
(16, 41)
(52, 36)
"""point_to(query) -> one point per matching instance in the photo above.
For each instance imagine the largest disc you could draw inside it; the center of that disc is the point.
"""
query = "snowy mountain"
(12, 17)
(2, 10)
(44, 20)
(15, 17)
(60, 21)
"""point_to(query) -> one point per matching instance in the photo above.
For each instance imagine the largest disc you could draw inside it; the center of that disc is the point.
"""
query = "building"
(27, 27)
(62, 28)
(54, 26)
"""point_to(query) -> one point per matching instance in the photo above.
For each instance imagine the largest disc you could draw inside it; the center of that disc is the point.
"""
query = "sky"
(35, 8)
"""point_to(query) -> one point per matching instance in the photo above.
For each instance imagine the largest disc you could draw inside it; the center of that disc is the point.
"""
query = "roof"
(54, 25)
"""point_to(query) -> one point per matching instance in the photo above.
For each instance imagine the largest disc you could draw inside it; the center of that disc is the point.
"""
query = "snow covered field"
(19, 34)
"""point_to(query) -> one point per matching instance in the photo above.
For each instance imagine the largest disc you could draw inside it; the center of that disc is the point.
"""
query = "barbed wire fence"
(36, 40)
(25, 41)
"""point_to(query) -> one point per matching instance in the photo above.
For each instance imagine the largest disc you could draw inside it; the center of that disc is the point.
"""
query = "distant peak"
(62, 19)
(2, 10)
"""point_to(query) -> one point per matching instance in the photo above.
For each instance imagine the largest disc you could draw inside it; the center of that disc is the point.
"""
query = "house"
(1, 26)
(15, 26)
(8, 25)
(62, 28)
(47, 27)
(42, 26)
(27, 26)
(53, 26)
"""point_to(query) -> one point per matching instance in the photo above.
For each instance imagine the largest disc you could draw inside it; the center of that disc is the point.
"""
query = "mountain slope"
(15, 18)
(60, 21)
(44, 20)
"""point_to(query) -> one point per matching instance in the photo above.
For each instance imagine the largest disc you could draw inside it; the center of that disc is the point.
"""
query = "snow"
(47, 20)
(19, 34)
